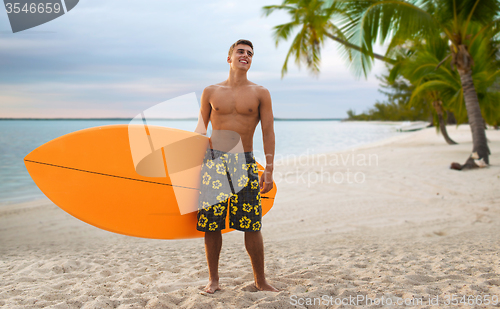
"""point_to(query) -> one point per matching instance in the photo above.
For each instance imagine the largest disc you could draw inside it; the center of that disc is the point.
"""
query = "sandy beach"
(388, 223)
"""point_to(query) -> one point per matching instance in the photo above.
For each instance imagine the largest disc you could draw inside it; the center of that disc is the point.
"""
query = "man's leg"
(255, 248)
(213, 245)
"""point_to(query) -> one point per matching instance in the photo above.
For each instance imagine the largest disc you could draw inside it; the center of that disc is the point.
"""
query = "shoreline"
(414, 229)
(38, 195)
(365, 149)
(44, 200)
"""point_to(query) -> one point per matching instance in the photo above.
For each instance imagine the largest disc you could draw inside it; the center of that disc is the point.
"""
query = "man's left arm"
(267, 124)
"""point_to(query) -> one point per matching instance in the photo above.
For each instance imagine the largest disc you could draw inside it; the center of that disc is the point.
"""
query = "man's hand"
(266, 181)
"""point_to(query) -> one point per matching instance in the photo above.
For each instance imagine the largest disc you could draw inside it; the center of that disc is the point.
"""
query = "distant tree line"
(395, 107)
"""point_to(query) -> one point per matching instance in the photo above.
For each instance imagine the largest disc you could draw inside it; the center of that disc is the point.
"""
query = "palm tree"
(434, 83)
(314, 17)
(461, 22)
(365, 22)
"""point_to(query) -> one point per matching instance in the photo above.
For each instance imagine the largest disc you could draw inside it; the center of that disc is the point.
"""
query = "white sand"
(413, 229)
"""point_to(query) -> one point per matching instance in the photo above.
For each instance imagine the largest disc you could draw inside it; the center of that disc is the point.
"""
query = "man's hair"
(245, 42)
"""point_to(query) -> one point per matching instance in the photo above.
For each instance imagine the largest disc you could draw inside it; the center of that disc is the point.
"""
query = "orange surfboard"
(129, 179)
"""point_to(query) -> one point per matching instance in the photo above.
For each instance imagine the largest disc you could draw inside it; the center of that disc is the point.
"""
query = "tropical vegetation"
(463, 25)
(396, 106)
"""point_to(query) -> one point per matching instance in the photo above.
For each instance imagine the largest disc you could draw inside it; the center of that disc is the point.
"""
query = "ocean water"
(20, 137)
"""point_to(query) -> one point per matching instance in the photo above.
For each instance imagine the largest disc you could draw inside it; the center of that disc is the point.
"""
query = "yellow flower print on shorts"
(234, 199)
(243, 181)
(210, 164)
(234, 204)
(239, 198)
(222, 197)
(221, 169)
(255, 184)
(206, 179)
(256, 226)
(245, 222)
(206, 205)
(218, 210)
(246, 166)
(216, 184)
(247, 207)
(202, 221)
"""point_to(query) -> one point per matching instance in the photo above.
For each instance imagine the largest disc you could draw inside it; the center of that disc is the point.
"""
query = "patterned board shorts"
(229, 181)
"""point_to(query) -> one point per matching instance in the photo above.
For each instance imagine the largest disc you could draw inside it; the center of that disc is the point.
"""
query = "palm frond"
(282, 32)
(269, 9)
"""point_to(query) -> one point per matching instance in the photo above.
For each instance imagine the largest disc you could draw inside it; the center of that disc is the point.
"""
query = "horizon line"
(176, 119)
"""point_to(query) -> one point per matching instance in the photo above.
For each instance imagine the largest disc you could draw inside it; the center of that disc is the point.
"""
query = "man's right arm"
(205, 110)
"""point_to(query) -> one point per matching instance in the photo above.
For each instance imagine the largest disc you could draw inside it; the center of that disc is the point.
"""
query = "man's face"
(241, 57)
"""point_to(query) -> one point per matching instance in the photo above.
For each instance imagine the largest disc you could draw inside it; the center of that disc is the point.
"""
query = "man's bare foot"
(266, 287)
(212, 286)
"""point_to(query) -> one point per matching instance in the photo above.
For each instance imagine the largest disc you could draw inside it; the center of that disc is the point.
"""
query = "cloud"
(120, 56)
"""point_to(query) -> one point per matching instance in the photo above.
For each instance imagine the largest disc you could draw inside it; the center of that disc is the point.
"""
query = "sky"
(116, 58)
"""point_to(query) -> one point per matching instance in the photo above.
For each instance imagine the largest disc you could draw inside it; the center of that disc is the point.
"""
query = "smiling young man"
(230, 183)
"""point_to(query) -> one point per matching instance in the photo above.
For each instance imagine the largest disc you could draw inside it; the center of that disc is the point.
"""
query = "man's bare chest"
(228, 102)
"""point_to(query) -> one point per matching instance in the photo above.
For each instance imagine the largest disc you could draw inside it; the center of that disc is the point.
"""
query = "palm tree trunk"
(476, 121)
(442, 127)
(438, 107)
